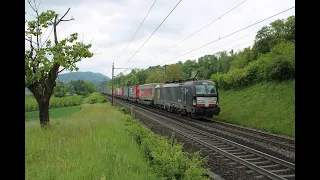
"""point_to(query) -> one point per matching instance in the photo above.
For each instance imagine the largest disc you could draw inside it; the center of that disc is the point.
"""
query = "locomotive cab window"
(205, 89)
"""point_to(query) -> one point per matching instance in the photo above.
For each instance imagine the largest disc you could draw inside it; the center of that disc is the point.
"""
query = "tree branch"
(55, 29)
(61, 19)
(31, 54)
(47, 38)
(30, 40)
(68, 19)
(55, 68)
(31, 49)
(61, 70)
(38, 29)
(33, 8)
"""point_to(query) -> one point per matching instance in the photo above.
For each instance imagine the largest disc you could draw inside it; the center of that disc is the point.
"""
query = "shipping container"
(118, 91)
(134, 92)
(122, 92)
(125, 92)
(146, 91)
(109, 91)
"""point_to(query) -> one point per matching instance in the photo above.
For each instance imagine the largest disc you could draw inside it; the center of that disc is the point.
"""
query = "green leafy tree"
(60, 90)
(142, 76)
(45, 58)
(156, 77)
(242, 59)
(268, 36)
(174, 72)
(83, 88)
(224, 62)
(188, 67)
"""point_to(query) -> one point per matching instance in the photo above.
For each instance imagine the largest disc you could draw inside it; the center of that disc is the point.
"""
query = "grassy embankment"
(267, 106)
(89, 144)
(100, 142)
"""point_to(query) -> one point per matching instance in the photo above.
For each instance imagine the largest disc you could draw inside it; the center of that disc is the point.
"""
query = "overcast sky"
(110, 24)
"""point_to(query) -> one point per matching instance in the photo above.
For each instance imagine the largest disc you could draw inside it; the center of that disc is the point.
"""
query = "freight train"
(196, 99)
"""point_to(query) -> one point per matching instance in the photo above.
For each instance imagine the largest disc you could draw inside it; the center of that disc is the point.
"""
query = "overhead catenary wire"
(233, 46)
(250, 34)
(136, 30)
(152, 33)
(201, 28)
(229, 43)
(229, 35)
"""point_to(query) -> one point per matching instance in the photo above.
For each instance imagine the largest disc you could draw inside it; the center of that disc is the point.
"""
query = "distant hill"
(85, 76)
(95, 78)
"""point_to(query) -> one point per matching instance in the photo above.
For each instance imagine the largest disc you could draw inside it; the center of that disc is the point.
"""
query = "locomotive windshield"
(205, 89)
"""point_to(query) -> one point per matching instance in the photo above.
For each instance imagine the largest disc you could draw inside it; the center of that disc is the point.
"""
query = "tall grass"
(267, 106)
(90, 144)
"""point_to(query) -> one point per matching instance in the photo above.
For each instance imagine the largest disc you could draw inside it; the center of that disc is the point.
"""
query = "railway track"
(279, 146)
(267, 166)
(281, 141)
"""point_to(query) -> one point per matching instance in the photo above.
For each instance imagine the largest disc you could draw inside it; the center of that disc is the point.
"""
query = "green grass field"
(90, 144)
(32, 105)
(53, 112)
(266, 106)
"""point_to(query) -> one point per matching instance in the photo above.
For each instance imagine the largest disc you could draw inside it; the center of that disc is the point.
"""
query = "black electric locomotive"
(195, 99)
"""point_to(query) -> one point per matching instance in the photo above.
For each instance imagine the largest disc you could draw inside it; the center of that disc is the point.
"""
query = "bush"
(55, 102)
(32, 105)
(65, 101)
(277, 65)
(95, 98)
(165, 155)
(280, 70)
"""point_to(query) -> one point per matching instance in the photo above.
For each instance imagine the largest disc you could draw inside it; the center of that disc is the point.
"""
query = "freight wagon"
(125, 93)
(133, 93)
(146, 93)
(118, 92)
(108, 91)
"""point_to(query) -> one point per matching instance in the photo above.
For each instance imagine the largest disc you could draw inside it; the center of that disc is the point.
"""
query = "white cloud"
(111, 24)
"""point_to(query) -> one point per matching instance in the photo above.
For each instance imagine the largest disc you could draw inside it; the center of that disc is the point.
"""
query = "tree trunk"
(42, 91)
(43, 104)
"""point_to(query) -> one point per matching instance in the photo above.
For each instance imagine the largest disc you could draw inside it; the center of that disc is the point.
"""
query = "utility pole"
(165, 78)
(103, 84)
(112, 84)
(112, 80)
